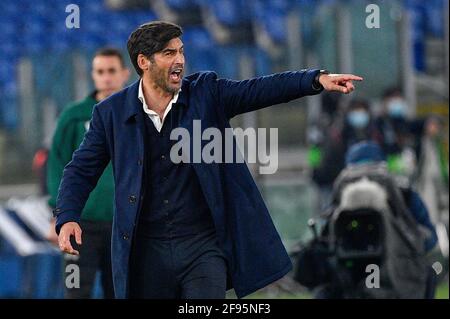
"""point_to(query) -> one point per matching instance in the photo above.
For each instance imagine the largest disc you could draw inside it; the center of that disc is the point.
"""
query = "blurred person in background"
(317, 131)
(354, 126)
(330, 110)
(432, 177)
(433, 167)
(109, 75)
(400, 134)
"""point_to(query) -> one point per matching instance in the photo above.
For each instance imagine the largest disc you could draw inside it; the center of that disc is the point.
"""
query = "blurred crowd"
(416, 147)
(381, 173)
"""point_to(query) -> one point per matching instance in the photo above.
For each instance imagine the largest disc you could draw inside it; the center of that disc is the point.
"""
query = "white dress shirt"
(152, 114)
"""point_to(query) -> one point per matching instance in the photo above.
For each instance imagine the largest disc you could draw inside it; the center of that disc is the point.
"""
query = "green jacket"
(70, 129)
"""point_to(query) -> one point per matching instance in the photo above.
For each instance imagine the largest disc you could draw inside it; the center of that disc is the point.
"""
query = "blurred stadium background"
(44, 66)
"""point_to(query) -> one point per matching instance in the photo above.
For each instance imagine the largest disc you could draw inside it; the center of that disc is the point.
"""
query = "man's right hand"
(67, 230)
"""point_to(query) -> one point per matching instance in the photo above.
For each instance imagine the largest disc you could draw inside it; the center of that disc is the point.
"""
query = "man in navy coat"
(180, 230)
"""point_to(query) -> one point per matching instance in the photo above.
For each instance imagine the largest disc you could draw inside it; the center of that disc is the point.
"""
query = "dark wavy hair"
(150, 38)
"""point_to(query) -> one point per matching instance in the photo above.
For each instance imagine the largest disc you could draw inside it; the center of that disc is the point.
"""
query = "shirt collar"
(145, 105)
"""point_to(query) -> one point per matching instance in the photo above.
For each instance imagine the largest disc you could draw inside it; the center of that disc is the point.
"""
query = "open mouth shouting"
(176, 74)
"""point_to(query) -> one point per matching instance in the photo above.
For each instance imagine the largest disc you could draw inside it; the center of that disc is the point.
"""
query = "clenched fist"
(68, 230)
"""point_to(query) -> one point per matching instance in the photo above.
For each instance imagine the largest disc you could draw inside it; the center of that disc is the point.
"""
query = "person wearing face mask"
(393, 121)
(356, 125)
(357, 122)
(400, 138)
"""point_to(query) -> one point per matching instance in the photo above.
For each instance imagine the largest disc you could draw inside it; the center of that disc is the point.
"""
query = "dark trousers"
(95, 255)
(432, 282)
(186, 267)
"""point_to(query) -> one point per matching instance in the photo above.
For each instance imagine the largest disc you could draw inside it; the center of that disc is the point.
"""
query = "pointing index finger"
(349, 77)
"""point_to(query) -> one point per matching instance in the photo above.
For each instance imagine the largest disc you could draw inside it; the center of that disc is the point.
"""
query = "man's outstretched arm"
(237, 97)
(79, 178)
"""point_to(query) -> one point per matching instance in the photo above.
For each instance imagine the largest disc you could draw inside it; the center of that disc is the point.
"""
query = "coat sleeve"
(237, 97)
(81, 174)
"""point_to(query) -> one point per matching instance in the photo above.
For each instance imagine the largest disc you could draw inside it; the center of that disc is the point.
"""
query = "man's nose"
(107, 78)
(179, 59)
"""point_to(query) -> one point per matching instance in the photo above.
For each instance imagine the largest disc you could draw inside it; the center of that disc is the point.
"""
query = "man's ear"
(143, 62)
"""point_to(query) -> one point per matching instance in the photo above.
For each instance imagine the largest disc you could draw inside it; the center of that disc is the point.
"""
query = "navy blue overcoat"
(255, 253)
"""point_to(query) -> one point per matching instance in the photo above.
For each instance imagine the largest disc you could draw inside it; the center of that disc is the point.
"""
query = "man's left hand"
(339, 82)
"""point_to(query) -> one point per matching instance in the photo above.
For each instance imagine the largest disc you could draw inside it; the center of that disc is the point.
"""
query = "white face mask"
(358, 119)
(397, 107)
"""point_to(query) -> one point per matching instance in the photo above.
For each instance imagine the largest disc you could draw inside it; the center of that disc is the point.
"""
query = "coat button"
(163, 157)
(166, 201)
(56, 212)
(126, 237)
(132, 199)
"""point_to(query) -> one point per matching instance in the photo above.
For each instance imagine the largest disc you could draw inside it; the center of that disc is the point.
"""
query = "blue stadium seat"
(40, 8)
(200, 49)
(281, 5)
(118, 40)
(124, 23)
(8, 49)
(435, 24)
(272, 16)
(198, 36)
(9, 30)
(418, 23)
(91, 41)
(95, 23)
(10, 8)
(141, 17)
(62, 41)
(263, 63)
(34, 44)
(228, 61)
(231, 12)
(181, 4)
(7, 70)
(8, 92)
(275, 24)
(96, 7)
